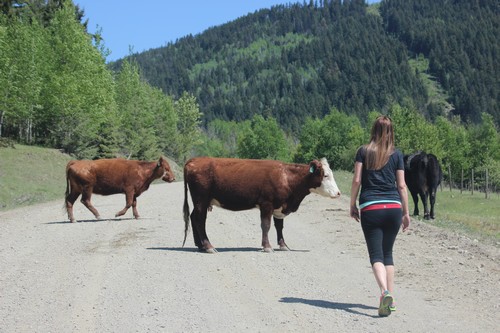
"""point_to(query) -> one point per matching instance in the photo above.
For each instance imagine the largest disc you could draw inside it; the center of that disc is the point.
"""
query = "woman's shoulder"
(362, 149)
(397, 152)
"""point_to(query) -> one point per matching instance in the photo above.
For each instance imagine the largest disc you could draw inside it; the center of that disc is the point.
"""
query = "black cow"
(423, 175)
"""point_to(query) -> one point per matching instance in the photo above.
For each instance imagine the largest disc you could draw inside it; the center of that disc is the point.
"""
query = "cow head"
(328, 187)
(168, 174)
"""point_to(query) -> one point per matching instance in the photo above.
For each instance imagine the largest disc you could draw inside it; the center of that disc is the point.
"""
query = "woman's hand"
(354, 212)
(406, 222)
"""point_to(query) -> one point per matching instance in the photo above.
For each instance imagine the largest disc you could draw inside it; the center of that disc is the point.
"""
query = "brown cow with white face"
(276, 188)
(112, 176)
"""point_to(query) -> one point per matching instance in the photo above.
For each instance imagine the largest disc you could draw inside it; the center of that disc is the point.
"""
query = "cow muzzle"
(168, 178)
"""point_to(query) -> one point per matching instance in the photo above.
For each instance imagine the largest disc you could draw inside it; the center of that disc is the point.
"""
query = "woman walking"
(383, 204)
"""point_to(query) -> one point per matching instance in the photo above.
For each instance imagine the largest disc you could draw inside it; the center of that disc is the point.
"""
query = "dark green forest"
(293, 82)
(298, 60)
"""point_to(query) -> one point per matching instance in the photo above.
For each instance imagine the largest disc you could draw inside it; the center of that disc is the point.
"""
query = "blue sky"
(143, 25)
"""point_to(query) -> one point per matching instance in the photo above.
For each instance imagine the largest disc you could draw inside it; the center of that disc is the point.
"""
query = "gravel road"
(126, 275)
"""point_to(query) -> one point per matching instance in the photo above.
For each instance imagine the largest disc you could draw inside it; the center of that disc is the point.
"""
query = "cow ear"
(313, 166)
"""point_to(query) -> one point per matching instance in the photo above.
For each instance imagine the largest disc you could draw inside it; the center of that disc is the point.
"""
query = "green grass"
(465, 213)
(30, 175)
(472, 213)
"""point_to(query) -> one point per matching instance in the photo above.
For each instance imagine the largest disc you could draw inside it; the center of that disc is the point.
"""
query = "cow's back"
(415, 171)
(105, 176)
(235, 184)
(434, 172)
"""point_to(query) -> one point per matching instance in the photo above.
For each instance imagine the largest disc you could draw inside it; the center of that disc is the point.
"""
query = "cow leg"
(134, 208)
(265, 224)
(70, 201)
(198, 224)
(432, 200)
(426, 206)
(194, 227)
(86, 195)
(129, 201)
(278, 224)
(414, 195)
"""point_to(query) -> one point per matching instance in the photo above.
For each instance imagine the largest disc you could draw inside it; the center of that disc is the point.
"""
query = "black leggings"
(380, 227)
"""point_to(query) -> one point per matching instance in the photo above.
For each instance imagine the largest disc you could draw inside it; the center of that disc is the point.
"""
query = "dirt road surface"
(126, 275)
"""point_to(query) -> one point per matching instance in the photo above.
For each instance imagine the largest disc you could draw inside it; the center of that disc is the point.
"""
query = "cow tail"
(185, 210)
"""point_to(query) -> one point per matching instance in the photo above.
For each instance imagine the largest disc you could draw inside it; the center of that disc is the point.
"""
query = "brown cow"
(276, 188)
(112, 176)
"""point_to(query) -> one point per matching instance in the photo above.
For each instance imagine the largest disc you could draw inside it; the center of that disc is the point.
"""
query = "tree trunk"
(462, 182)
(472, 182)
(486, 184)
(1, 122)
(449, 175)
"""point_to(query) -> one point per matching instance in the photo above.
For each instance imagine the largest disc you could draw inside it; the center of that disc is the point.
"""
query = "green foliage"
(335, 137)
(79, 92)
(147, 118)
(136, 120)
(456, 147)
(412, 132)
(264, 139)
(221, 137)
(484, 142)
(57, 89)
(189, 119)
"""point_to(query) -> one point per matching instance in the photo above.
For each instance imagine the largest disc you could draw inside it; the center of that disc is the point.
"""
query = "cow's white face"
(328, 186)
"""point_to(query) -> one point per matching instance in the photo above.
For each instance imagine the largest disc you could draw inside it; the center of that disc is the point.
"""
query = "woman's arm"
(400, 181)
(356, 184)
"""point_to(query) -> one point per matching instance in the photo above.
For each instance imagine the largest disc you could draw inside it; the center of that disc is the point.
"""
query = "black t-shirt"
(379, 185)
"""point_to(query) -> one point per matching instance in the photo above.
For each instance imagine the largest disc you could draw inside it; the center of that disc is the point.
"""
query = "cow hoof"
(427, 217)
(72, 221)
(268, 250)
(284, 248)
(211, 250)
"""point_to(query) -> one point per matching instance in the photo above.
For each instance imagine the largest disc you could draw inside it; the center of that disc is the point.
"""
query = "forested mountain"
(299, 60)
(461, 40)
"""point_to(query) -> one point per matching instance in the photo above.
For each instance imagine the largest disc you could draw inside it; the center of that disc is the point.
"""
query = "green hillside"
(298, 60)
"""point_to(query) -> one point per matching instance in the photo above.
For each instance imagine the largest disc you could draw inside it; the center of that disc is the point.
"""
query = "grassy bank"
(462, 212)
(31, 175)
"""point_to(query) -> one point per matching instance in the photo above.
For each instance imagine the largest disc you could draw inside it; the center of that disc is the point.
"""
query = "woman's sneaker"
(385, 301)
(392, 307)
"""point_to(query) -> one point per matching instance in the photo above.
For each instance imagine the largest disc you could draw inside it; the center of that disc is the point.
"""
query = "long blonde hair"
(381, 144)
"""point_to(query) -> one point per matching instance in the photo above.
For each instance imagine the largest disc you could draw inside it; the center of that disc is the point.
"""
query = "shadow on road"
(93, 220)
(193, 249)
(220, 249)
(348, 307)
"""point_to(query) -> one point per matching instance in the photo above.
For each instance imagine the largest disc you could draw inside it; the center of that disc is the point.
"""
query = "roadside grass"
(472, 213)
(30, 175)
(462, 212)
